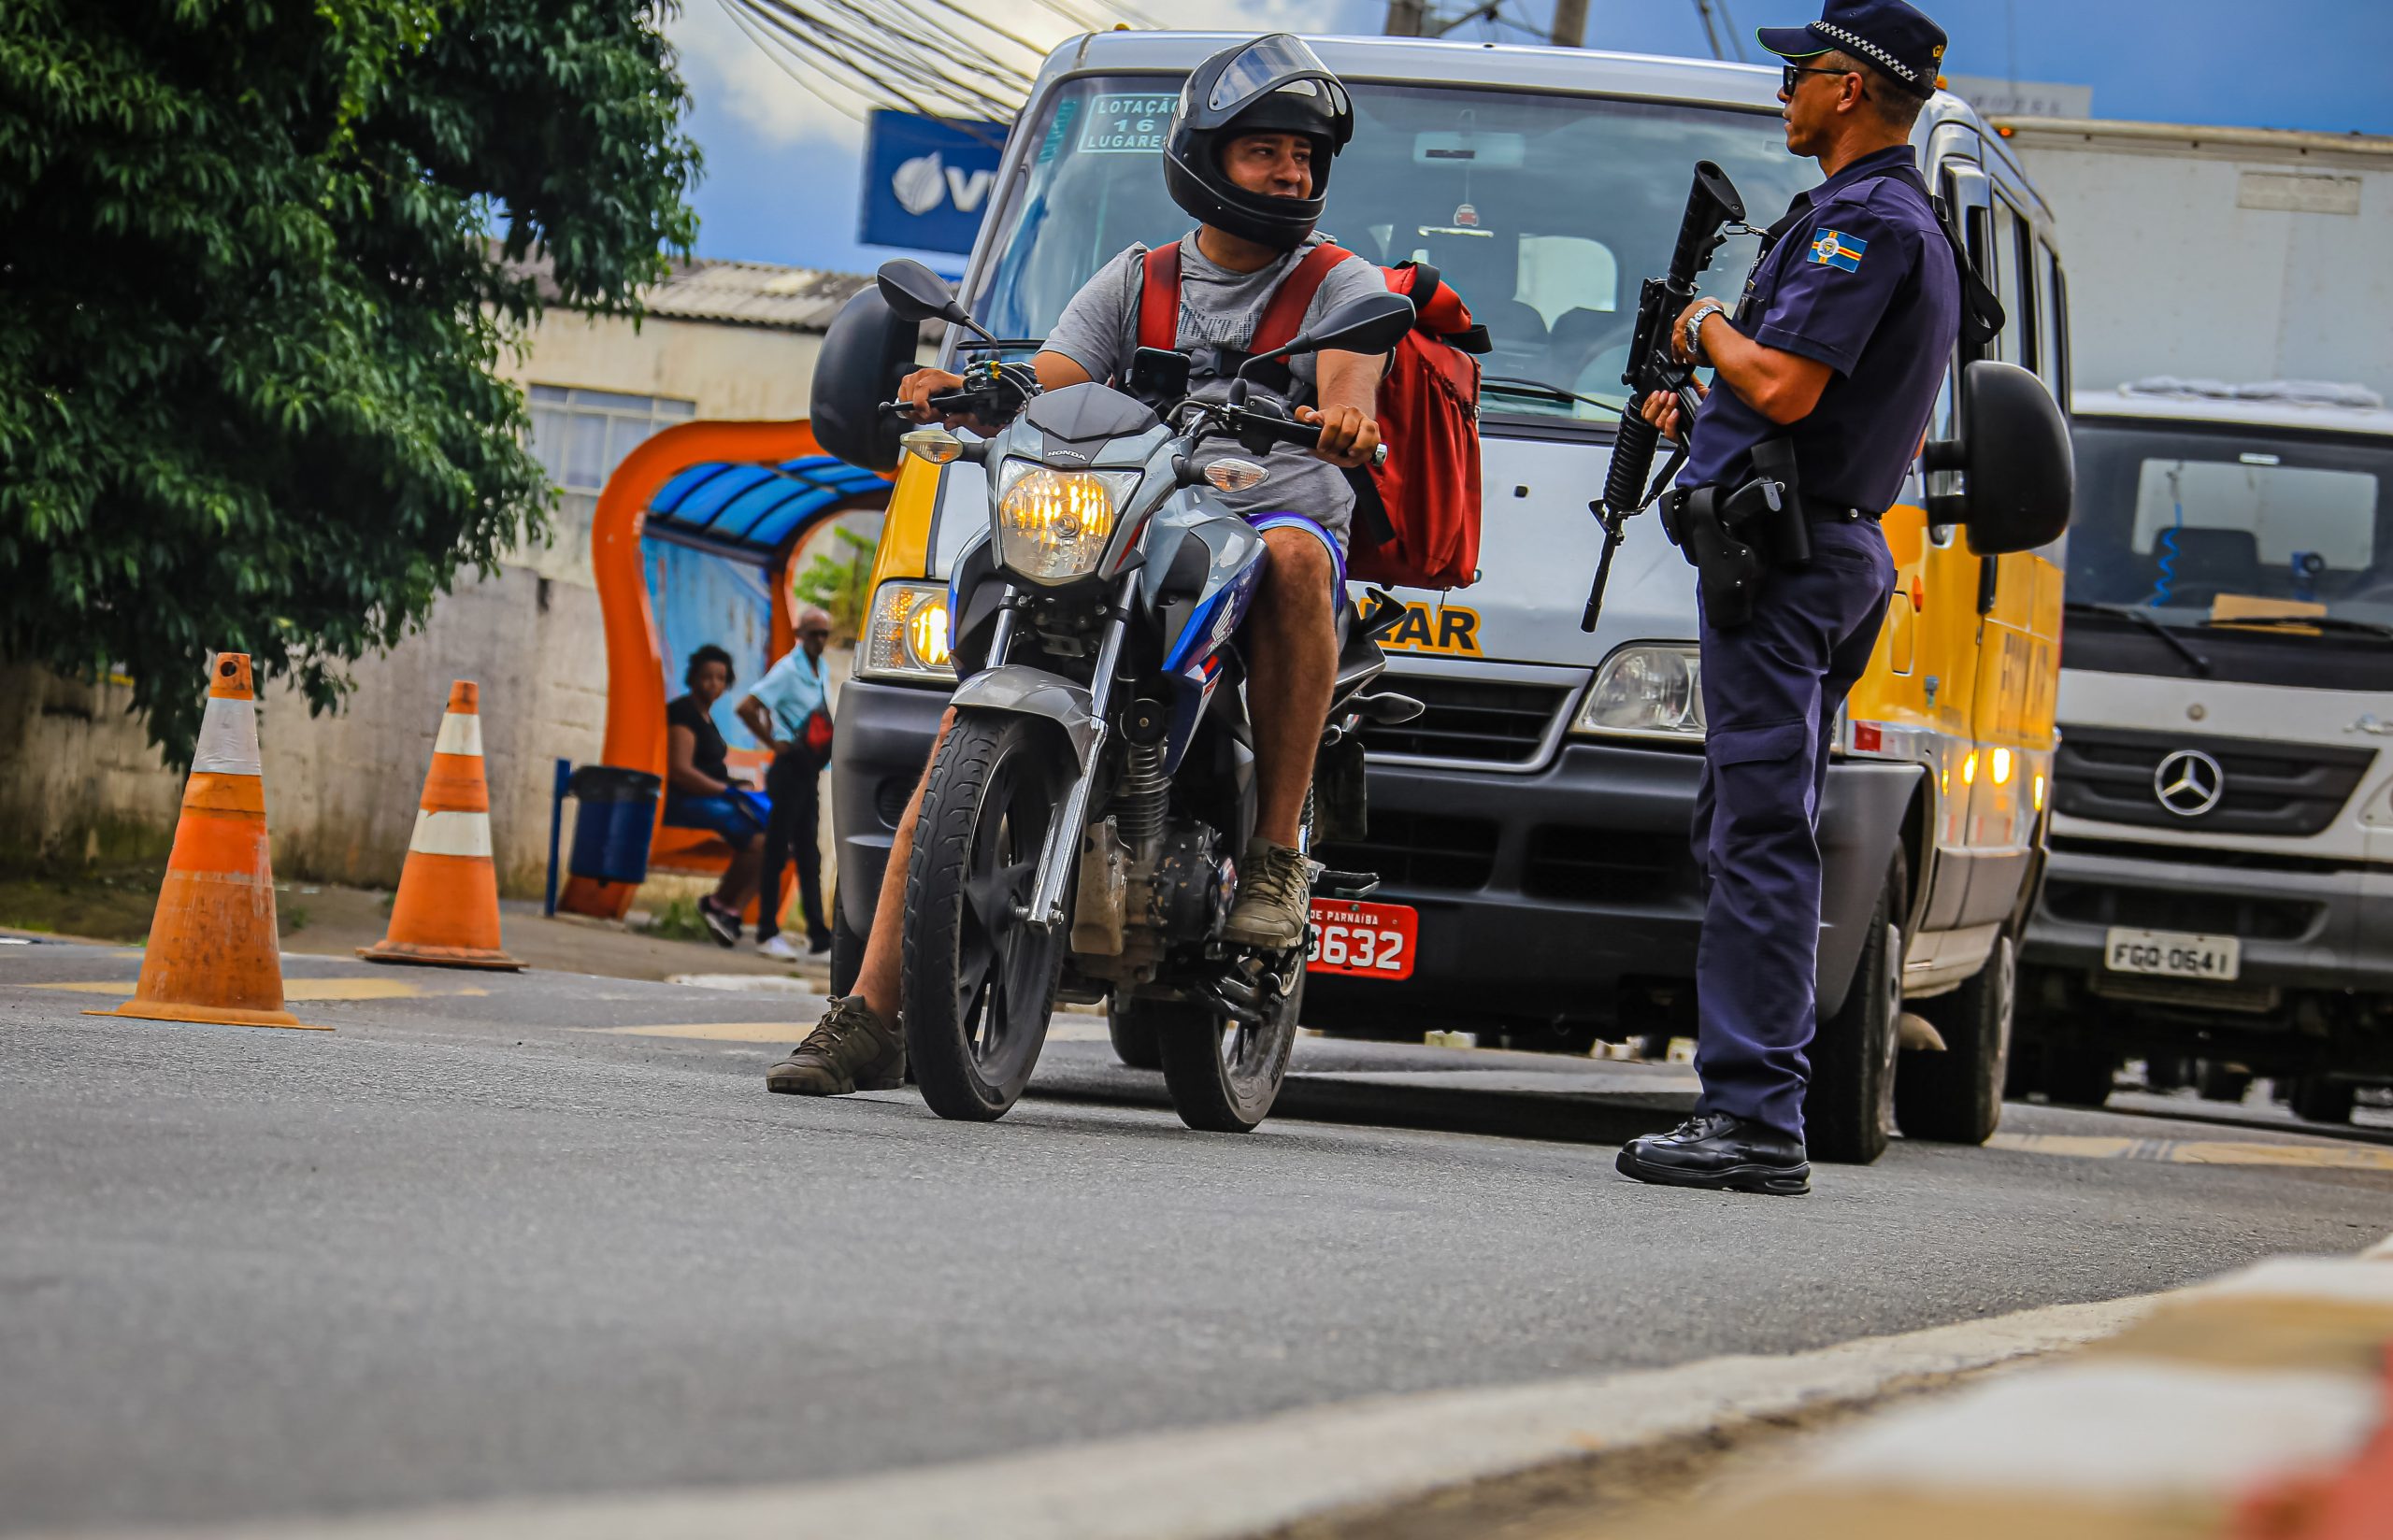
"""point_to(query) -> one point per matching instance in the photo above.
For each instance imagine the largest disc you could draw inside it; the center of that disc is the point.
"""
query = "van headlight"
(906, 634)
(1650, 691)
(1052, 524)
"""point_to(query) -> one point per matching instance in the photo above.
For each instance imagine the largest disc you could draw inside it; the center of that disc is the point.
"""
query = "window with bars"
(580, 435)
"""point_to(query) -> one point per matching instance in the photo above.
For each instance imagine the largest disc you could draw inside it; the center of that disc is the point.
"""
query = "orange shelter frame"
(634, 737)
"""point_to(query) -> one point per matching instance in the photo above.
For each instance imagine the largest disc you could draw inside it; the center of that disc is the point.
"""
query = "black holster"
(1733, 535)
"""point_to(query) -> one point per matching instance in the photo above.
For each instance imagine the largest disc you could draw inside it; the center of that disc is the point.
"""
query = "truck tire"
(2078, 1075)
(846, 949)
(1136, 1033)
(2319, 1100)
(1956, 1096)
(2220, 1081)
(1849, 1109)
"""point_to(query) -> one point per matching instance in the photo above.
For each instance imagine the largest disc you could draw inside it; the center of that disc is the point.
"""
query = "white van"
(2220, 885)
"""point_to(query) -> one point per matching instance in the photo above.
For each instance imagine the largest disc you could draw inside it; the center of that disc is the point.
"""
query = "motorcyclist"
(1248, 156)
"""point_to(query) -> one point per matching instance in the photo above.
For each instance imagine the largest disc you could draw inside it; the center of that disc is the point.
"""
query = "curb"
(2259, 1406)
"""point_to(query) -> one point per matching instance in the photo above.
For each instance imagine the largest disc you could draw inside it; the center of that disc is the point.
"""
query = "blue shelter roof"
(750, 510)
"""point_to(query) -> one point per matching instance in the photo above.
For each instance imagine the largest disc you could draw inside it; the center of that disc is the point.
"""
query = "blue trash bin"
(617, 818)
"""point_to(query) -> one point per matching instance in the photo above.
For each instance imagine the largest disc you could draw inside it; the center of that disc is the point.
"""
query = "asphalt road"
(484, 1241)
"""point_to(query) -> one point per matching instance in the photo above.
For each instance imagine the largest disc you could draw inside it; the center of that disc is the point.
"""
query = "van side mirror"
(868, 350)
(1368, 324)
(2011, 445)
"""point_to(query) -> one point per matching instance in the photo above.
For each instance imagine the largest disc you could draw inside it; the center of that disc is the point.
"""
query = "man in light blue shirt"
(790, 712)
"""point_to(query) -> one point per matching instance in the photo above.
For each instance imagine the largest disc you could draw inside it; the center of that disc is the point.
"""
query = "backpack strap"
(1159, 299)
(1285, 315)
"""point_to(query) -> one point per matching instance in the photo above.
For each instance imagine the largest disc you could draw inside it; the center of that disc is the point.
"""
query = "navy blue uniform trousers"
(1772, 689)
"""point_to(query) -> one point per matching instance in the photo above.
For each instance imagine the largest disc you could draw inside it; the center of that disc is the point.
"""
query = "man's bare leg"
(1292, 664)
(884, 948)
(858, 1045)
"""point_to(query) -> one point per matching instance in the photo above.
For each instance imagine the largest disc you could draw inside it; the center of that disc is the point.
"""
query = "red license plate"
(1363, 940)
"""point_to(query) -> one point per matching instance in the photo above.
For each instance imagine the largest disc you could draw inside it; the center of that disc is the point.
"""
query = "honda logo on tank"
(927, 182)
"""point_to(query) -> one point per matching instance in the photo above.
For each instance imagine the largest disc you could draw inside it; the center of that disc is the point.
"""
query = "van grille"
(2291, 789)
(2161, 909)
(1485, 721)
(1604, 865)
(1420, 850)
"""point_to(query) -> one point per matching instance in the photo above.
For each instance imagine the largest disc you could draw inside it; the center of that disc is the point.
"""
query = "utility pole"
(1405, 18)
(1569, 23)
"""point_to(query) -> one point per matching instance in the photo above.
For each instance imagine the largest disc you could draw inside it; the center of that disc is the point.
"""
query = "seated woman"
(700, 791)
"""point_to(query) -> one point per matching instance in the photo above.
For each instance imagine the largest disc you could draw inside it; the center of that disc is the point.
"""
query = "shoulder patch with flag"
(1835, 249)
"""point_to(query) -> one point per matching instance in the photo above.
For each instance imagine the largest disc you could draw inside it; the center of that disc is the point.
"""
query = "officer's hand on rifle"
(1348, 434)
(1661, 409)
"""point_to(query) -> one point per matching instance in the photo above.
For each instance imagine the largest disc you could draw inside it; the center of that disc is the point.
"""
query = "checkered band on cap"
(1877, 55)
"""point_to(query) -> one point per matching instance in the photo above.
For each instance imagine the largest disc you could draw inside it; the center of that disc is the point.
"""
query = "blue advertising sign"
(927, 182)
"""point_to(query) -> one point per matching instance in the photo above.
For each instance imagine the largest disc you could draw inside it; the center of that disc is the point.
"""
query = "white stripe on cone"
(228, 739)
(459, 734)
(452, 835)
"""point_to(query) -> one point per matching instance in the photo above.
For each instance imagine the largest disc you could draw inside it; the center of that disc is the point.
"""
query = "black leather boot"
(1712, 1150)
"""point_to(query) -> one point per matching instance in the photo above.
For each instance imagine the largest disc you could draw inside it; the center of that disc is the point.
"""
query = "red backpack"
(1416, 516)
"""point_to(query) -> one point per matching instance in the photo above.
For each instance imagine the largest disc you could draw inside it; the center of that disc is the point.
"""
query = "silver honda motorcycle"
(1082, 818)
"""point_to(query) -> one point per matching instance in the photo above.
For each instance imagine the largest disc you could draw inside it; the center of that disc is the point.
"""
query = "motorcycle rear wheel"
(1223, 1074)
(978, 983)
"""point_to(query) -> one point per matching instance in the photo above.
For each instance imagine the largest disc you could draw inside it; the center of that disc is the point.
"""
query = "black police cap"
(1887, 35)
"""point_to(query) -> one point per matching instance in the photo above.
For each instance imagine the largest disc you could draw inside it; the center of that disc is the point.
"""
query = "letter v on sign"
(967, 192)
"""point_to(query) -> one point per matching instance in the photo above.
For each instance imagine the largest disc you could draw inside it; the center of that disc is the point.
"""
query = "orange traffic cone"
(446, 914)
(213, 953)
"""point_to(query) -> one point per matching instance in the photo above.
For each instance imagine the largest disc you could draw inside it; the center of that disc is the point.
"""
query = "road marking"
(2089, 1147)
(1220, 1483)
(784, 1031)
(293, 989)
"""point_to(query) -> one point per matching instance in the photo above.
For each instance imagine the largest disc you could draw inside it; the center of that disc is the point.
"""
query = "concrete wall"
(78, 777)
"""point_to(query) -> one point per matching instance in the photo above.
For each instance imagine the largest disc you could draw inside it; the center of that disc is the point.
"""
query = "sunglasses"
(1790, 76)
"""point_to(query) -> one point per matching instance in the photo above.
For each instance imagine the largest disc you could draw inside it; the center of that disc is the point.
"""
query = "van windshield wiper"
(2150, 622)
(1516, 385)
(2340, 624)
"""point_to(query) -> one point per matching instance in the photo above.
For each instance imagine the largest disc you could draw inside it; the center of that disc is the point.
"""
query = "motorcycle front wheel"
(979, 982)
(1223, 1074)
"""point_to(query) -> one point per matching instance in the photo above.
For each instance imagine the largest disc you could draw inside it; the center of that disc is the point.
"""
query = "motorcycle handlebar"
(1288, 431)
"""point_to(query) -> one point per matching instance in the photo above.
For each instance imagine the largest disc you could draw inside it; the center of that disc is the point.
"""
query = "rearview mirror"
(914, 292)
(868, 350)
(1370, 323)
(2011, 445)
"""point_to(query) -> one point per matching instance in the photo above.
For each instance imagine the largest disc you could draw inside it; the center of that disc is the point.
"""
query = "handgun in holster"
(1733, 535)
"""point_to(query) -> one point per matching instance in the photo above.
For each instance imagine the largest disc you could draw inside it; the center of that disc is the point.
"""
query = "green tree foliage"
(838, 581)
(259, 260)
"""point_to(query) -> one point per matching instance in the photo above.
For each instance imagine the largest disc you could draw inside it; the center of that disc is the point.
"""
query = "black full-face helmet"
(1272, 85)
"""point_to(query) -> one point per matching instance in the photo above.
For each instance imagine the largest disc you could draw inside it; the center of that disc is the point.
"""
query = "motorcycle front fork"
(1046, 906)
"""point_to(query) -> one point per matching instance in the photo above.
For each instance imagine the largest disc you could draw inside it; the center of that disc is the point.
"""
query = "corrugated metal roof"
(753, 293)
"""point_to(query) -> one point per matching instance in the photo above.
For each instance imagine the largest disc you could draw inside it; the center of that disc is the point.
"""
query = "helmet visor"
(1277, 63)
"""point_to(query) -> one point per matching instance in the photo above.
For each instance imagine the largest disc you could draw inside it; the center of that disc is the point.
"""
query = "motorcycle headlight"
(1648, 691)
(906, 634)
(1052, 524)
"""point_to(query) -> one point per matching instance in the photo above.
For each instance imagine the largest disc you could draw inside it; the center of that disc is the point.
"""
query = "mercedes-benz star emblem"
(2188, 783)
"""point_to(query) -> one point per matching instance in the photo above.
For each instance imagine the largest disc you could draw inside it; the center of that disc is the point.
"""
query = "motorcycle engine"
(1189, 897)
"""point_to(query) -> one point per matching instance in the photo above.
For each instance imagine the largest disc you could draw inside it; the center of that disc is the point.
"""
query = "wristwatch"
(1695, 328)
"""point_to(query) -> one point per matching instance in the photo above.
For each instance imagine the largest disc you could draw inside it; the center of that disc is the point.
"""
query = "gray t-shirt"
(1099, 330)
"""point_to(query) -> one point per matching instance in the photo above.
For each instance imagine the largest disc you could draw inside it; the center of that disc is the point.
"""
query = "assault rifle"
(1710, 204)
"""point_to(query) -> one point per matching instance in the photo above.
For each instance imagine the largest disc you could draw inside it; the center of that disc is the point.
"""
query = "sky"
(782, 165)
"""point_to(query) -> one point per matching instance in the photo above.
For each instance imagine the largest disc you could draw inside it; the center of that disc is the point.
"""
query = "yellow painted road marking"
(293, 989)
(794, 1029)
(2198, 1151)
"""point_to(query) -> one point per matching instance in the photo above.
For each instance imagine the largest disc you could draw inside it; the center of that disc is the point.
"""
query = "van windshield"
(2198, 522)
(1543, 211)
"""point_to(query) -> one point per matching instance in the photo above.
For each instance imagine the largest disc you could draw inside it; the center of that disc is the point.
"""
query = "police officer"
(1838, 347)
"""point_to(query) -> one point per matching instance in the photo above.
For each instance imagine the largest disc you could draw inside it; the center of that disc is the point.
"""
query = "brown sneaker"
(850, 1051)
(1274, 896)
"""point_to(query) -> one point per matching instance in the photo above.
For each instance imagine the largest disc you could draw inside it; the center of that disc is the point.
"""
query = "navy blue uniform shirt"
(1860, 278)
